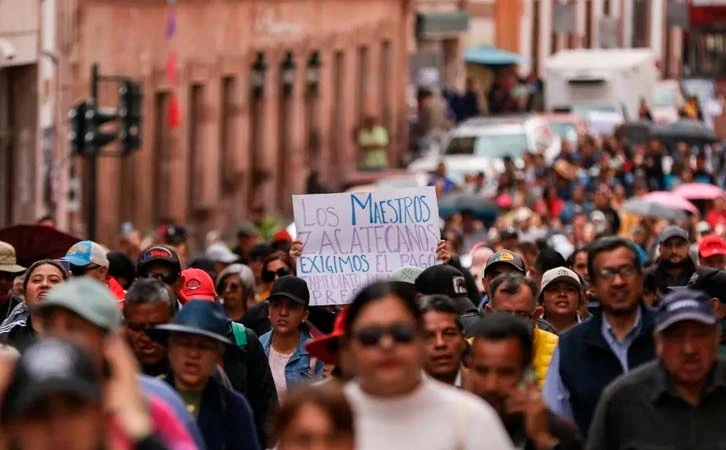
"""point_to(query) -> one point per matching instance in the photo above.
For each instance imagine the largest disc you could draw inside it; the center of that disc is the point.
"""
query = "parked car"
(667, 101)
(480, 144)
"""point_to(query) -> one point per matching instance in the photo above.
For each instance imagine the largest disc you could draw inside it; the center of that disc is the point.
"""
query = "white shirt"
(433, 417)
(278, 361)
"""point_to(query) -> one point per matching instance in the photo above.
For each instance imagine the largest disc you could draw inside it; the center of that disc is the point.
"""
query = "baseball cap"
(85, 253)
(198, 285)
(442, 279)
(247, 229)
(557, 274)
(407, 274)
(291, 287)
(172, 234)
(48, 367)
(8, 260)
(219, 252)
(157, 253)
(321, 347)
(710, 281)
(505, 257)
(682, 305)
(712, 245)
(86, 297)
(671, 232)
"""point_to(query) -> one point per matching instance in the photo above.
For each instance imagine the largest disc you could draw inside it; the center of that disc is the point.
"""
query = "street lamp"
(313, 72)
(288, 73)
(257, 80)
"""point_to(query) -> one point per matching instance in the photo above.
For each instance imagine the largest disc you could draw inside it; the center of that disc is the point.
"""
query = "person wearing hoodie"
(17, 329)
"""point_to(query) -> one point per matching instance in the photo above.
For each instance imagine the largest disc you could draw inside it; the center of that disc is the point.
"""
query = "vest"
(545, 344)
(588, 365)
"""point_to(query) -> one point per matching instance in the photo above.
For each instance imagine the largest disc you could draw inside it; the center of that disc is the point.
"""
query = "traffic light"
(76, 136)
(129, 112)
(95, 138)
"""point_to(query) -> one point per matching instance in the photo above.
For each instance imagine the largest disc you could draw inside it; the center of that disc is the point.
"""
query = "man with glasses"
(88, 259)
(162, 263)
(675, 265)
(614, 341)
(9, 270)
(515, 294)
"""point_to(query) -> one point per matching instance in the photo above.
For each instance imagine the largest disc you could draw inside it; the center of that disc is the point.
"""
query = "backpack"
(240, 335)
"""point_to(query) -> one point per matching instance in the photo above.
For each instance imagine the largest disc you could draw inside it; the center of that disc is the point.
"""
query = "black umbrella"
(647, 208)
(35, 242)
(482, 207)
(693, 132)
(638, 131)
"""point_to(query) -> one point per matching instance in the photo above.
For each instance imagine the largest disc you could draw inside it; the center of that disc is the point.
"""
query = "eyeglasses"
(233, 287)
(625, 272)
(675, 244)
(141, 327)
(269, 276)
(401, 333)
(167, 278)
(79, 271)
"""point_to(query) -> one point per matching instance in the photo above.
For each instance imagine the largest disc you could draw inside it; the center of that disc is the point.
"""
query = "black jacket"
(250, 375)
(16, 330)
(224, 418)
(587, 364)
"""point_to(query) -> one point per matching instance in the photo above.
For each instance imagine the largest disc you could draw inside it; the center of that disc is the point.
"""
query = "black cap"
(710, 281)
(442, 279)
(157, 253)
(48, 367)
(291, 287)
(174, 234)
(671, 232)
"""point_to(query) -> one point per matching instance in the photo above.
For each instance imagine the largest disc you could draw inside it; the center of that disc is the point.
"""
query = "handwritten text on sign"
(352, 239)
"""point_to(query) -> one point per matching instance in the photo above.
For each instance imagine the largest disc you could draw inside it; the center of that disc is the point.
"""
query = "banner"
(352, 239)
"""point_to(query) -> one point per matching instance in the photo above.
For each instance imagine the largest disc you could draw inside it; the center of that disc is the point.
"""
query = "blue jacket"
(588, 365)
(298, 368)
(225, 418)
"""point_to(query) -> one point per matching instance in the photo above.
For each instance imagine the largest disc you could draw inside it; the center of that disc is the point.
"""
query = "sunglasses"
(401, 333)
(166, 278)
(269, 276)
(79, 271)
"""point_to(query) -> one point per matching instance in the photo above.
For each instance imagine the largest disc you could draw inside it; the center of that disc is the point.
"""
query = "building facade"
(266, 91)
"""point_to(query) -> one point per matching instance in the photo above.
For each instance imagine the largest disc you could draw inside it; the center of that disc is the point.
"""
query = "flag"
(170, 24)
(174, 114)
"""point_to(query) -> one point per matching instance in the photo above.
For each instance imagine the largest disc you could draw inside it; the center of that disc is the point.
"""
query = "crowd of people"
(613, 345)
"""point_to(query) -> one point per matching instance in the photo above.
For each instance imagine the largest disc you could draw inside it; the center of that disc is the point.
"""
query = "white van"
(600, 84)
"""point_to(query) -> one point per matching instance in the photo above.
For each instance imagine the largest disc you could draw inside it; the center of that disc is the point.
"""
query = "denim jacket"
(301, 367)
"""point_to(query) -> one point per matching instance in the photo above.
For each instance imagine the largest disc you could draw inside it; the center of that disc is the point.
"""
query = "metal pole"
(93, 163)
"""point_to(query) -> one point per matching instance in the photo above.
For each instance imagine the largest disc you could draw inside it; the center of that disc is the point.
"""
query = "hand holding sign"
(348, 240)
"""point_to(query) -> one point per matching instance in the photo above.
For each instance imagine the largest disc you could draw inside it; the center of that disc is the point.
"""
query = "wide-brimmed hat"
(200, 317)
(8, 260)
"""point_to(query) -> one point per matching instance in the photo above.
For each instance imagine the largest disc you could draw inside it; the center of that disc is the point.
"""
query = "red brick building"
(267, 89)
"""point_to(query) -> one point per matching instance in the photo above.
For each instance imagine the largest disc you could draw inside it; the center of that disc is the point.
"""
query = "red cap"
(282, 236)
(711, 245)
(320, 347)
(198, 285)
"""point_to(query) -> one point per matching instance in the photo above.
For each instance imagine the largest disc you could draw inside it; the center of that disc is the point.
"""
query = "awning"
(441, 25)
(491, 56)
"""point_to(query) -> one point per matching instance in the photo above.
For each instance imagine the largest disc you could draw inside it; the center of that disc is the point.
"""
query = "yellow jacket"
(544, 347)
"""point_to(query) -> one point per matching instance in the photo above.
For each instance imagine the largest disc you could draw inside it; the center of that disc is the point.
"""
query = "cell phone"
(127, 228)
(529, 378)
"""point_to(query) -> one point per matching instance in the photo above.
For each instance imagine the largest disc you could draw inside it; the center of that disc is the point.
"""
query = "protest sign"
(352, 239)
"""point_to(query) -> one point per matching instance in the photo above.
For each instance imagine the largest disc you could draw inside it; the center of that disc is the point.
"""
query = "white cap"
(219, 252)
(557, 274)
